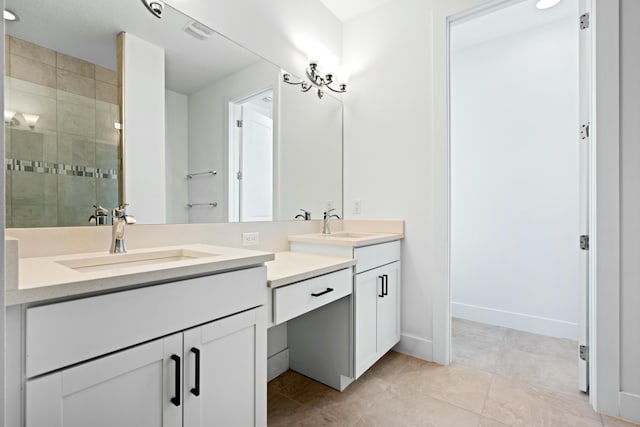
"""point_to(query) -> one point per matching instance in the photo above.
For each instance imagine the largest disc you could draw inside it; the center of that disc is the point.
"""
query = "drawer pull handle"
(382, 294)
(385, 283)
(196, 390)
(322, 293)
(176, 399)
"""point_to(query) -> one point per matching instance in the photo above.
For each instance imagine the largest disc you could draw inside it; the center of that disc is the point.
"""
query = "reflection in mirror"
(204, 131)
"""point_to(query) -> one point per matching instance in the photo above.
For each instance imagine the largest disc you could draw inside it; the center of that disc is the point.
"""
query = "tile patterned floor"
(499, 377)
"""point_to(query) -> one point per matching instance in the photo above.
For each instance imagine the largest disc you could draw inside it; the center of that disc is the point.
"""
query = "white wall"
(144, 132)
(176, 156)
(387, 155)
(209, 138)
(2, 254)
(310, 155)
(514, 178)
(630, 210)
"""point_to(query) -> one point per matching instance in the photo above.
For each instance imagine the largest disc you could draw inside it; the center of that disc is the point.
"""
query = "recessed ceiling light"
(546, 4)
(9, 16)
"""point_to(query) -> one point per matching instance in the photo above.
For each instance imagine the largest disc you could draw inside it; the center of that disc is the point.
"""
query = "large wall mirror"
(105, 104)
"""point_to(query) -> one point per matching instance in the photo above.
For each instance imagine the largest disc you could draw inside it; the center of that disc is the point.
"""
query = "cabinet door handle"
(381, 286)
(196, 390)
(322, 293)
(176, 399)
(385, 283)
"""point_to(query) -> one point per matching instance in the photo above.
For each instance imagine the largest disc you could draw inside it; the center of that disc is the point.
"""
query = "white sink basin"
(135, 259)
(349, 235)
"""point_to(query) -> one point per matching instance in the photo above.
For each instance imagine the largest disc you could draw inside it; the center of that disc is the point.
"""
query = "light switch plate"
(250, 239)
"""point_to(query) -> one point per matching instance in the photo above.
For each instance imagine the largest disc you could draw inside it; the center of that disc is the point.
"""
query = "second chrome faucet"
(326, 220)
(120, 220)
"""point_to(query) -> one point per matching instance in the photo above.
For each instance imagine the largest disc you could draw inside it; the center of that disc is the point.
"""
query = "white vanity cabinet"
(205, 376)
(376, 296)
(377, 320)
(186, 353)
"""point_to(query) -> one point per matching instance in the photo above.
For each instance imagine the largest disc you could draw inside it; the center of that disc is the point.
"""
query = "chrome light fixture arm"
(317, 80)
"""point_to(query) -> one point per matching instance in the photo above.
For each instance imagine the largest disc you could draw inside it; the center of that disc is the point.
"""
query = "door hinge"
(584, 242)
(239, 123)
(585, 130)
(584, 21)
(584, 353)
(239, 175)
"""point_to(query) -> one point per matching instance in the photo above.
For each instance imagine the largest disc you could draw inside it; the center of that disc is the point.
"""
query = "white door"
(585, 148)
(225, 380)
(368, 289)
(256, 166)
(139, 387)
(388, 309)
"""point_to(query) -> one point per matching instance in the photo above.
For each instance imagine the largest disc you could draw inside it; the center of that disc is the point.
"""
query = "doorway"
(251, 158)
(518, 192)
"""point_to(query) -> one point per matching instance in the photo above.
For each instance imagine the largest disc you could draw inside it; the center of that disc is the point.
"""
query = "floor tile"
(518, 404)
(608, 421)
(540, 344)
(457, 384)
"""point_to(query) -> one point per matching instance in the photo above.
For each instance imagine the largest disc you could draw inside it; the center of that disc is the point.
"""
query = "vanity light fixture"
(10, 16)
(546, 4)
(317, 80)
(31, 120)
(9, 118)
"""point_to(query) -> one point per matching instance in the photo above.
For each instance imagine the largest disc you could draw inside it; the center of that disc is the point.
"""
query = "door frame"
(604, 268)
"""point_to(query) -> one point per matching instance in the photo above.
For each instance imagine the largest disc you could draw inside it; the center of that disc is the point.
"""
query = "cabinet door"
(130, 388)
(389, 308)
(225, 377)
(367, 291)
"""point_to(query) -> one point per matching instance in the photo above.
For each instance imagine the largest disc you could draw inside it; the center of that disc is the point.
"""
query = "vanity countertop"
(291, 267)
(45, 278)
(347, 238)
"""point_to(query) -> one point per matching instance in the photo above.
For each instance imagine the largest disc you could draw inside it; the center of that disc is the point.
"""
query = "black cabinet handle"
(196, 390)
(322, 293)
(381, 286)
(385, 283)
(176, 399)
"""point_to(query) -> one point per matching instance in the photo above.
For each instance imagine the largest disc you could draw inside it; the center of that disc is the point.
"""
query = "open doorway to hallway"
(518, 275)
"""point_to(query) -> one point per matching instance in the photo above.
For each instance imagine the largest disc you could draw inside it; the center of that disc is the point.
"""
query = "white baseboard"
(415, 346)
(277, 364)
(630, 406)
(519, 321)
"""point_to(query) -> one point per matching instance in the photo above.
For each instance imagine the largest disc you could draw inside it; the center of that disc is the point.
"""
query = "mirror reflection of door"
(251, 149)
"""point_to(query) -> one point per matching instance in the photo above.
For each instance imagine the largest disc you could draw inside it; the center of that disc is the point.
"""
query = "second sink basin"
(134, 259)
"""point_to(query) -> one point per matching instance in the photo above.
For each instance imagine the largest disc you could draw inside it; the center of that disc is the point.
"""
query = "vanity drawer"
(293, 300)
(376, 255)
(62, 334)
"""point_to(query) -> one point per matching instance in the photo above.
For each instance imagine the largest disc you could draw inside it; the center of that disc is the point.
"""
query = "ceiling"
(88, 29)
(508, 20)
(345, 10)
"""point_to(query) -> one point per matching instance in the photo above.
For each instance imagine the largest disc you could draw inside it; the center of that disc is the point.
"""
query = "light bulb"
(31, 119)
(9, 16)
(8, 115)
(546, 4)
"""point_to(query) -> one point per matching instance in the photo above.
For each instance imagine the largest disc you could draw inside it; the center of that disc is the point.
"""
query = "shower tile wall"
(57, 171)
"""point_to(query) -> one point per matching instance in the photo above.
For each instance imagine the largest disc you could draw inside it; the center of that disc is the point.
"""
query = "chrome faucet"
(306, 216)
(326, 220)
(120, 221)
(99, 216)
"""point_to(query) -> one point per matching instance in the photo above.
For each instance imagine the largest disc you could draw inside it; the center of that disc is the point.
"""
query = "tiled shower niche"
(67, 161)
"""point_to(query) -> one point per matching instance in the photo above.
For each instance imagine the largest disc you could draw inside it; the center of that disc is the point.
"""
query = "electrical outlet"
(328, 205)
(357, 207)
(250, 239)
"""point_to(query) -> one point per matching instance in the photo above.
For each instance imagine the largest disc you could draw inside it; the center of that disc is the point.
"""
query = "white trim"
(605, 217)
(630, 406)
(415, 346)
(520, 321)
